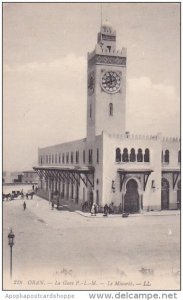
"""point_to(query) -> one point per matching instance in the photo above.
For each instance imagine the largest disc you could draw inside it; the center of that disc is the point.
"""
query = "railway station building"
(134, 172)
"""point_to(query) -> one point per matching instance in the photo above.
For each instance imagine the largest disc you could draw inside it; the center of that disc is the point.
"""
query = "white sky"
(45, 49)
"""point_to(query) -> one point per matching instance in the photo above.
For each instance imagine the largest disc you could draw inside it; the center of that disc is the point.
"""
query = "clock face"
(111, 82)
(91, 84)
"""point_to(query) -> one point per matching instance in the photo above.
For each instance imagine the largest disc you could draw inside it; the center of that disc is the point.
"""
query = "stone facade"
(132, 172)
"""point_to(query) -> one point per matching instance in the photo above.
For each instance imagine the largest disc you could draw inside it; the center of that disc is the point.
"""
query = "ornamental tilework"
(106, 59)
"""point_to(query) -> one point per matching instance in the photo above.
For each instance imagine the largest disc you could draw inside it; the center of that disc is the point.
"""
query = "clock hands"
(111, 80)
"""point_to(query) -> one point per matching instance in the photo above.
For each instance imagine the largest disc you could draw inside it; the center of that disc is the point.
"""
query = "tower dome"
(107, 27)
(107, 37)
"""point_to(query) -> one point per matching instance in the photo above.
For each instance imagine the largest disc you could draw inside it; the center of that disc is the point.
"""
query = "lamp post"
(11, 243)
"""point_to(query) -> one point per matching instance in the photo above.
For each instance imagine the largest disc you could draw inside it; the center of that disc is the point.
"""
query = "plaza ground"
(65, 250)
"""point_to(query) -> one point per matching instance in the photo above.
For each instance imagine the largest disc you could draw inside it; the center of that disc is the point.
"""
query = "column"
(123, 197)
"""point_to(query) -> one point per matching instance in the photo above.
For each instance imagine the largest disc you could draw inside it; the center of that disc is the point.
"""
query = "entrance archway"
(131, 198)
(179, 194)
(164, 194)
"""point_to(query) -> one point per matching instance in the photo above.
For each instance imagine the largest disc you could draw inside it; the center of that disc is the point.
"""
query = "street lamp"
(11, 243)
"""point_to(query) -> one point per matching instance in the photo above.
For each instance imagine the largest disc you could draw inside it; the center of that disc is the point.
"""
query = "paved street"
(65, 250)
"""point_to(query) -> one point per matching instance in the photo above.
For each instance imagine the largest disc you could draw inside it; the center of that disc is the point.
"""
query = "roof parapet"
(99, 50)
(171, 139)
(129, 136)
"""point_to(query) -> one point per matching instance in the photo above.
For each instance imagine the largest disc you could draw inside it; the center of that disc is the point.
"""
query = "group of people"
(87, 206)
(108, 209)
(20, 194)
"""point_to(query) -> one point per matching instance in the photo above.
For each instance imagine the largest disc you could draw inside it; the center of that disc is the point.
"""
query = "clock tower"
(106, 85)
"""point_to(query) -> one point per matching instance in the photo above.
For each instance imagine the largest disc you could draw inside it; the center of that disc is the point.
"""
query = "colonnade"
(67, 184)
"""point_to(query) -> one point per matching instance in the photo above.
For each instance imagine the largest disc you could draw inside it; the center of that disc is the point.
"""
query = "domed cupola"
(107, 27)
(107, 37)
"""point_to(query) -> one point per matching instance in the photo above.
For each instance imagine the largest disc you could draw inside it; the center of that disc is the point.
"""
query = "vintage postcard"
(91, 193)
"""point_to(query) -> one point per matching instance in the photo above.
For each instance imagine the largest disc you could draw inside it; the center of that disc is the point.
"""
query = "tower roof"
(107, 36)
(107, 27)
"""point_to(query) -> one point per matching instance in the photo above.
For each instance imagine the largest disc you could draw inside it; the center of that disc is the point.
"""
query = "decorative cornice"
(107, 60)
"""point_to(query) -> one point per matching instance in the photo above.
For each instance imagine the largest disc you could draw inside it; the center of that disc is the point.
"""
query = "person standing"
(93, 213)
(106, 210)
(52, 204)
(24, 206)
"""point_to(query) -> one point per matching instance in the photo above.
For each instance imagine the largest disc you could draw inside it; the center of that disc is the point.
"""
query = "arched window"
(63, 158)
(132, 155)
(110, 109)
(139, 155)
(72, 154)
(56, 158)
(77, 157)
(59, 161)
(84, 156)
(118, 154)
(90, 156)
(125, 155)
(52, 158)
(109, 48)
(97, 155)
(67, 157)
(166, 156)
(146, 156)
(179, 157)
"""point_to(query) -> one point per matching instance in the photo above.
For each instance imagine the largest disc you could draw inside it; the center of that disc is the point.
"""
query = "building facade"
(20, 177)
(12, 177)
(30, 177)
(133, 172)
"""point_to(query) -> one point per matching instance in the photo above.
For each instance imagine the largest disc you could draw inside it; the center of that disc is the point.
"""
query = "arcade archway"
(164, 194)
(131, 198)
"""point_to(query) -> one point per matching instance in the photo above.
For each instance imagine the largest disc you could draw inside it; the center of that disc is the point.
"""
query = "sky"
(45, 49)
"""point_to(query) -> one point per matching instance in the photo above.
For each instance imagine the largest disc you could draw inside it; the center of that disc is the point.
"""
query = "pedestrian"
(24, 205)
(52, 205)
(33, 187)
(93, 210)
(57, 197)
(96, 208)
(106, 210)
